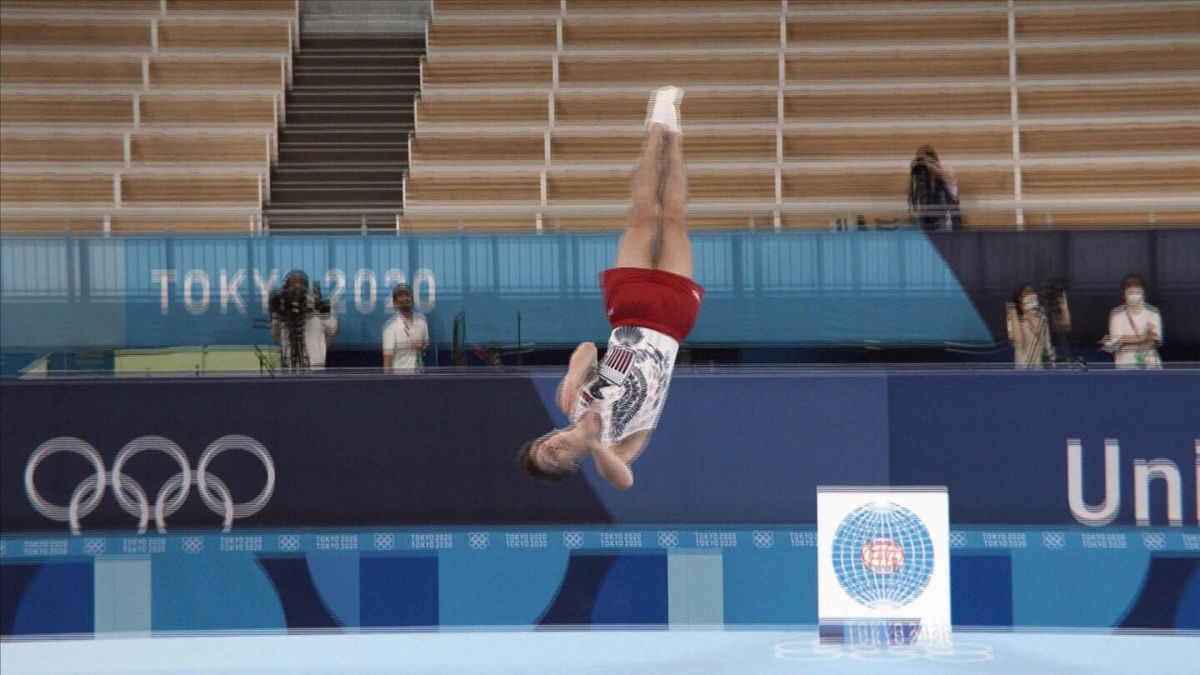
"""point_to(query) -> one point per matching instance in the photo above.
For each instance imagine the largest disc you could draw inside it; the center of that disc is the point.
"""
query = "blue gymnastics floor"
(610, 651)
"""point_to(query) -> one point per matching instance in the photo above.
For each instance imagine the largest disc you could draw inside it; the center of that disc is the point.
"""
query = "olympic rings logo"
(130, 494)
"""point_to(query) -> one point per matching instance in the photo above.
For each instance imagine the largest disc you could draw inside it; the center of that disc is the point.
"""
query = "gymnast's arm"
(613, 462)
(612, 467)
(583, 360)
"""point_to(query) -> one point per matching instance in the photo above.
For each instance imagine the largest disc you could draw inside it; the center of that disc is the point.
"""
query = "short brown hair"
(1133, 280)
(528, 465)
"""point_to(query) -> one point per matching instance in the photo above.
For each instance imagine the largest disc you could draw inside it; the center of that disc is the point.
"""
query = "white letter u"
(1094, 516)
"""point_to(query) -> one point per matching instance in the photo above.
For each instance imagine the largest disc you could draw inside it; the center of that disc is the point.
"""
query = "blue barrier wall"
(730, 448)
(397, 502)
(891, 287)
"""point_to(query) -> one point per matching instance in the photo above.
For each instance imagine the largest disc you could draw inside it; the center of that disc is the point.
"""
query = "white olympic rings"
(130, 494)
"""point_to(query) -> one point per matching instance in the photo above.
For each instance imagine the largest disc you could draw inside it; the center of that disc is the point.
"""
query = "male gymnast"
(652, 303)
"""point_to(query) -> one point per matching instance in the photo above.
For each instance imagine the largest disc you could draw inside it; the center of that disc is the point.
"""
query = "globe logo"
(882, 555)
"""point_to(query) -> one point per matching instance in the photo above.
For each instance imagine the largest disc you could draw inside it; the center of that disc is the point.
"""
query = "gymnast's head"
(553, 457)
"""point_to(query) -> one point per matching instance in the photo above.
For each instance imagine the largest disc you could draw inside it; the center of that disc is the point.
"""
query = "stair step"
(328, 172)
(326, 105)
(305, 62)
(392, 163)
(354, 117)
(342, 136)
(408, 91)
(351, 50)
(385, 181)
(378, 192)
(354, 69)
(313, 102)
(315, 41)
(354, 50)
(374, 68)
(356, 155)
(327, 200)
(353, 95)
(386, 124)
(293, 178)
(348, 147)
(383, 208)
(352, 79)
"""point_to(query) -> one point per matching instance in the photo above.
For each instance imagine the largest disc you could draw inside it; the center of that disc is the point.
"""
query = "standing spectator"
(1134, 328)
(933, 192)
(405, 337)
(1030, 329)
(294, 307)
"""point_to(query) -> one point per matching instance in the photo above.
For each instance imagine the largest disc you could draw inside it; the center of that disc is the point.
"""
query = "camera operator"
(302, 324)
(932, 192)
(1134, 328)
(405, 337)
(1031, 328)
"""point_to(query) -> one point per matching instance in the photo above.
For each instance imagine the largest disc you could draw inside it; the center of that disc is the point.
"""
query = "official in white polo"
(405, 337)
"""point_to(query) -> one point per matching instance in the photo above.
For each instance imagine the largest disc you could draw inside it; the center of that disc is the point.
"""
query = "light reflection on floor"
(606, 651)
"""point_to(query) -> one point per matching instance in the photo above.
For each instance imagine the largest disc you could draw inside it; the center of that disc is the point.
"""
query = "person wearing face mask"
(405, 337)
(1029, 329)
(1134, 328)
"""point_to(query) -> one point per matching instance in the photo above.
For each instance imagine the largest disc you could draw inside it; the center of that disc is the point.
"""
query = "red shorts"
(654, 299)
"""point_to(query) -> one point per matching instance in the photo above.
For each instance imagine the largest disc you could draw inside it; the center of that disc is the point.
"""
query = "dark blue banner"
(1098, 448)
(1003, 444)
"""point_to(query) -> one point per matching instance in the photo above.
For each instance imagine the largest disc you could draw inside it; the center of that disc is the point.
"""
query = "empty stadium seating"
(797, 113)
(805, 112)
(140, 115)
(66, 109)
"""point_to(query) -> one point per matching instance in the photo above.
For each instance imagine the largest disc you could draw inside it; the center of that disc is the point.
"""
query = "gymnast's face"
(555, 454)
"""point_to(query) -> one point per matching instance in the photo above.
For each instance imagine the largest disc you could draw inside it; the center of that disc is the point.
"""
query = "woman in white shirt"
(1134, 328)
(405, 337)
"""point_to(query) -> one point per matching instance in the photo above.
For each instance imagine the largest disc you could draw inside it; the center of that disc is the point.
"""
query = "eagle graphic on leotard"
(632, 380)
(631, 401)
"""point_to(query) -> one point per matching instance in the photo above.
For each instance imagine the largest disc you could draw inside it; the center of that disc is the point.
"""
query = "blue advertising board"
(341, 503)
(889, 287)
(440, 450)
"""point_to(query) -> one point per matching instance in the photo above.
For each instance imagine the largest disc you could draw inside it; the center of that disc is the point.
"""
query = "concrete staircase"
(343, 152)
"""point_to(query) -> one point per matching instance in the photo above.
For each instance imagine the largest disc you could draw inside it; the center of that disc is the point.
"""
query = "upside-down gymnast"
(652, 303)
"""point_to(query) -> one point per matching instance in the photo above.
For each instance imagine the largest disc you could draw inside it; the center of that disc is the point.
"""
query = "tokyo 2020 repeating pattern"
(652, 576)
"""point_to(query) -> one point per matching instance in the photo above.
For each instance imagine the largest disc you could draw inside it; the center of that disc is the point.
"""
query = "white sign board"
(883, 565)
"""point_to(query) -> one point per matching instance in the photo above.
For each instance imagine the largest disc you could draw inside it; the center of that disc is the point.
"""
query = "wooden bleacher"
(140, 115)
(800, 113)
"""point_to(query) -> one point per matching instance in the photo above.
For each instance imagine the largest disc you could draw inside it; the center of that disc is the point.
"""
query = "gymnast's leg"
(674, 249)
(637, 245)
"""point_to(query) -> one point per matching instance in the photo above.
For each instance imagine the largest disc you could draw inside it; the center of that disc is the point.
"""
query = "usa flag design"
(616, 364)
